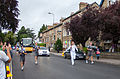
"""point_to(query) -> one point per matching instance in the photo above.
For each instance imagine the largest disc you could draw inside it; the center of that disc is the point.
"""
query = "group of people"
(73, 49)
(22, 54)
(5, 57)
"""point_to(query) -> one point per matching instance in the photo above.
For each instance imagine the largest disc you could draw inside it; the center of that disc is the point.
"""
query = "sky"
(34, 13)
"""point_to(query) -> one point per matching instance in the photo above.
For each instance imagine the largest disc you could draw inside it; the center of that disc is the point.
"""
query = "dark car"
(79, 54)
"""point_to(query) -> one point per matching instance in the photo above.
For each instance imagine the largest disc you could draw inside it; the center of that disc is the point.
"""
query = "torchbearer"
(73, 49)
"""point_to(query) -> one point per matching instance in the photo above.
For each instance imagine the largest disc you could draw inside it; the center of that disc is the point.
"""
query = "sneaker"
(92, 62)
(36, 62)
(86, 62)
(22, 68)
(73, 64)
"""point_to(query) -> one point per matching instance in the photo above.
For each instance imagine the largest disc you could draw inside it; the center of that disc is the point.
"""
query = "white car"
(43, 51)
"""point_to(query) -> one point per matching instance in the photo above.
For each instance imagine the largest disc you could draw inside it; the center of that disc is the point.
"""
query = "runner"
(73, 50)
(36, 53)
(22, 57)
(90, 53)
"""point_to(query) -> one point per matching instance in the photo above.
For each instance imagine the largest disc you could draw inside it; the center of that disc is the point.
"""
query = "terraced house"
(51, 35)
(58, 30)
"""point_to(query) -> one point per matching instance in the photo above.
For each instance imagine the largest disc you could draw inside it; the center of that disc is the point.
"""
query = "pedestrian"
(36, 53)
(4, 58)
(90, 53)
(98, 53)
(22, 57)
(73, 49)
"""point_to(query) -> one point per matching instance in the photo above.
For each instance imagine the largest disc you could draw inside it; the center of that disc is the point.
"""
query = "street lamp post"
(53, 16)
(53, 24)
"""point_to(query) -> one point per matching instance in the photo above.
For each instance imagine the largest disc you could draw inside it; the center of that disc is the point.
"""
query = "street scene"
(56, 67)
(64, 39)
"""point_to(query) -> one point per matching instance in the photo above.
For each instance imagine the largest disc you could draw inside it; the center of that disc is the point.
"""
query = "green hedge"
(41, 44)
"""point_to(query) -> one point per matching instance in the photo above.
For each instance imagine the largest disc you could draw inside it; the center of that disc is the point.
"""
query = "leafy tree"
(58, 45)
(82, 28)
(9, 14)
(2, 36)
(10, 37)
(108, 22)
(42, 29)
(30, 33)
(25, 33)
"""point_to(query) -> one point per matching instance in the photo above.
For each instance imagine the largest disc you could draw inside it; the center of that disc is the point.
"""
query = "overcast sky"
(34, 13)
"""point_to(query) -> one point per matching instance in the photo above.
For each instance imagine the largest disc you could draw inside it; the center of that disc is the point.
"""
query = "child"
(98, 54)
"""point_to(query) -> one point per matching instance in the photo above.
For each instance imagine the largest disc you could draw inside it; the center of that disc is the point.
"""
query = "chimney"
(82, 5)
(72, 13)
(61, 20)
(49, 26)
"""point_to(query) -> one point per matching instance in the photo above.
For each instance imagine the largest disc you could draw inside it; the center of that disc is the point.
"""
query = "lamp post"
(53, 26)
(53, 16)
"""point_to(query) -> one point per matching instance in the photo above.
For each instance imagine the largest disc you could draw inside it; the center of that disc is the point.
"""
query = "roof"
(52, 28)
(101, 3)
(80, 11)
(69, 17)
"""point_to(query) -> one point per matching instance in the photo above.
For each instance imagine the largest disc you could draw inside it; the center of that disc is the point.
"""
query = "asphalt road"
(55, 67)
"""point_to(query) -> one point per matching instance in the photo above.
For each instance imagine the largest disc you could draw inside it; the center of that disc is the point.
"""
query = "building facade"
(50, 36)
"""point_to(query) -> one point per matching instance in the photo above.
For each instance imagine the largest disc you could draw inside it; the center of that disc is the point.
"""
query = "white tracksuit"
(73, 53)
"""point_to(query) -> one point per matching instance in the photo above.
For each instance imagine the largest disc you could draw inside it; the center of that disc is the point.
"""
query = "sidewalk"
(103, 60)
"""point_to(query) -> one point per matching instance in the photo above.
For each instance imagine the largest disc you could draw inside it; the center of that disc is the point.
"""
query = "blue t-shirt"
(22, 51)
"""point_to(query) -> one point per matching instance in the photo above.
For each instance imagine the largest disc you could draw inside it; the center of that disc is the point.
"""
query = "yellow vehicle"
(27, 44)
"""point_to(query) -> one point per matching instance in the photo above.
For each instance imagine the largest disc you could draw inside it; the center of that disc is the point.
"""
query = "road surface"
(55, 67)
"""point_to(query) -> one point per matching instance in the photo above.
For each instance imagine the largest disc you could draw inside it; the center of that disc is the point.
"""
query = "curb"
(100, 60)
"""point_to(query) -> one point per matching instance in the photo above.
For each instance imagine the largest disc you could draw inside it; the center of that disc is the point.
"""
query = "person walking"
(73, 49)
(36, 53)
(4, 58)
(22, 57)
(90, 53)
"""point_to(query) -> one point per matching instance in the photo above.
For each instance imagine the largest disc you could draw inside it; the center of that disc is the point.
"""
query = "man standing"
(4, 59)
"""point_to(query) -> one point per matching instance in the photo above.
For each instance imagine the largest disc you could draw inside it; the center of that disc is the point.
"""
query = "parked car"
(43, 51)
(79, 54)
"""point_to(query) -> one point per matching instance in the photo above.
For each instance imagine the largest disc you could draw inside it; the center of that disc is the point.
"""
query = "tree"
(108, 22)
(9, 14)
(2, 36)
(10, 37)
(58, 45)
(25, 33)
(42, 29)
(83, 27)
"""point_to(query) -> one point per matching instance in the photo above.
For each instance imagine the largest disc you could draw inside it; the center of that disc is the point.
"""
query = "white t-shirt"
(3, 58)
